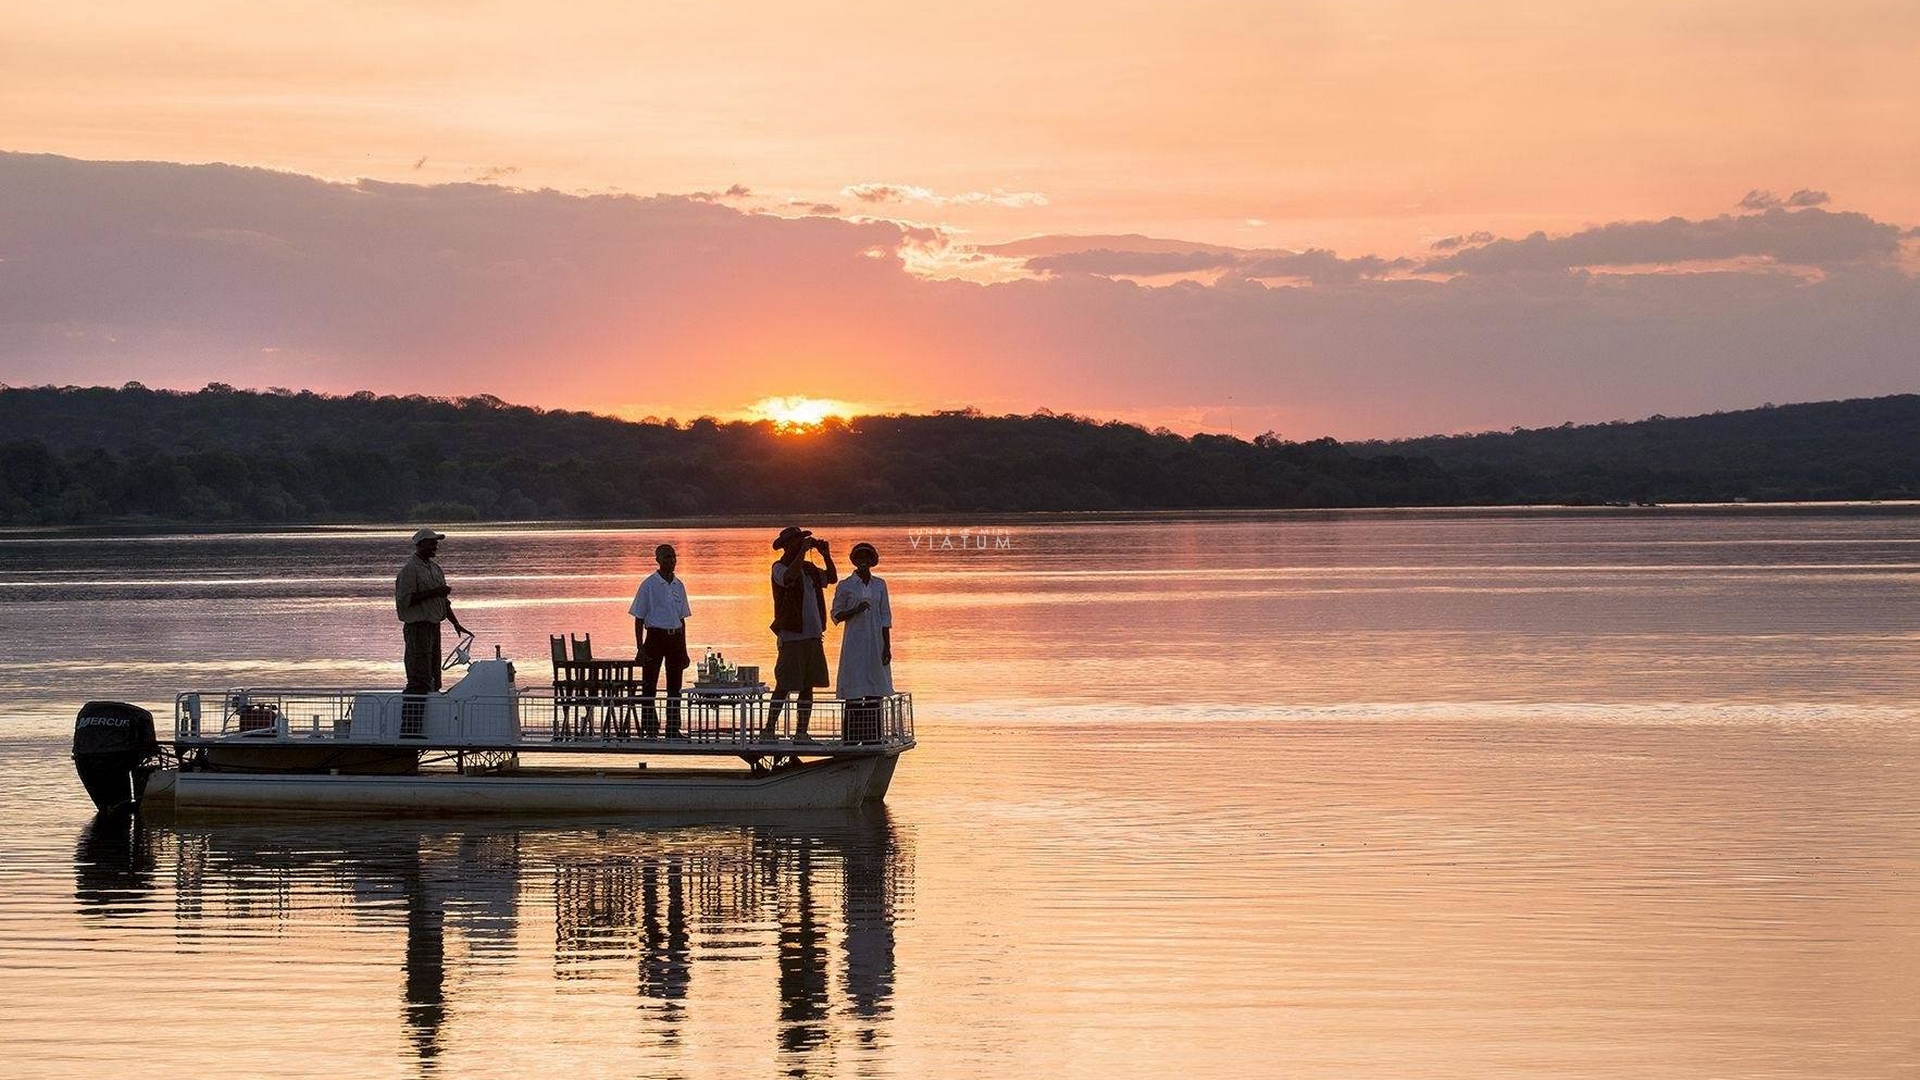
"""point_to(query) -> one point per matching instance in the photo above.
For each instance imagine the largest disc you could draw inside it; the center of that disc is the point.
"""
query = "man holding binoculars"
(800, 622)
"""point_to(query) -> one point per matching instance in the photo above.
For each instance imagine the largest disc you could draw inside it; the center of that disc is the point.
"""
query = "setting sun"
(798, 412)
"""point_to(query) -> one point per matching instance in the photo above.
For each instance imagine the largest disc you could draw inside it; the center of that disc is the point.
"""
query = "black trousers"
(423, 674)
(666, 648)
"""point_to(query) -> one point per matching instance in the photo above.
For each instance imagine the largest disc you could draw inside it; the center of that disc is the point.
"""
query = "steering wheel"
(459, 656)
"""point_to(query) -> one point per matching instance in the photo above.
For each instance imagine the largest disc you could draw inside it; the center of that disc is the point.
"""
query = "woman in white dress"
(865, 616)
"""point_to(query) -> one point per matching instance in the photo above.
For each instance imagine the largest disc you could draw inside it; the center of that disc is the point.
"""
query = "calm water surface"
(1383, 795)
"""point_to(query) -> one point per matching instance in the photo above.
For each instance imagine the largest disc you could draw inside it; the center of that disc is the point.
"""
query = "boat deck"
(732, 724)
(833, 782)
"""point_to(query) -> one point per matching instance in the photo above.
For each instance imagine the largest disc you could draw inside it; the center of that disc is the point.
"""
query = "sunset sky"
(654, 210)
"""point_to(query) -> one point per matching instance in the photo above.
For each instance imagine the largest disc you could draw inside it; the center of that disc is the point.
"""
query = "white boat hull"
(832, 784)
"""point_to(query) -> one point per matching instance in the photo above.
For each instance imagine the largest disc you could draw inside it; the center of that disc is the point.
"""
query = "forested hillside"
(72, 455)
(1868, 448)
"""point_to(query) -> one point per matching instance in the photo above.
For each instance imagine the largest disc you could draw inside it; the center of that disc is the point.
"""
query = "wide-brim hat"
(873, 554)
(789, 534)
(425, 535)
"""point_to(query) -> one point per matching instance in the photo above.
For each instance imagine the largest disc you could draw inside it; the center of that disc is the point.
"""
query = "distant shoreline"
(958, 520)
(139, 458)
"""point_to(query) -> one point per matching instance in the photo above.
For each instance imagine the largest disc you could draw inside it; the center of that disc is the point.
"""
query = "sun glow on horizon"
(799, 413)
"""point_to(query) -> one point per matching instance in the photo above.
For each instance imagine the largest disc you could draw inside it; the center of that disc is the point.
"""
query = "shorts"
(802, 663)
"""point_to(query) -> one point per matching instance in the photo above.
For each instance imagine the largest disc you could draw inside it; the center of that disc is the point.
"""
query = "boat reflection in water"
(669, 904)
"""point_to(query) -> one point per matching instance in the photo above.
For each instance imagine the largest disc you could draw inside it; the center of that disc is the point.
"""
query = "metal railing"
(536, 718)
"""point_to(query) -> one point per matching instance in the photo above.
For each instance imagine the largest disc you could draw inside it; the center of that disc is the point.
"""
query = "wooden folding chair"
(564, 688)
(623, 693)
(588, 690)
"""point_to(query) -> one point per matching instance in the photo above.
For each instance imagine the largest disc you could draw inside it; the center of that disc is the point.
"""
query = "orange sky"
(1354, 132)
(1352, 124)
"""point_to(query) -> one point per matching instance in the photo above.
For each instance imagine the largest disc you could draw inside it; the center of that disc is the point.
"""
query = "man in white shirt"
(660, 613)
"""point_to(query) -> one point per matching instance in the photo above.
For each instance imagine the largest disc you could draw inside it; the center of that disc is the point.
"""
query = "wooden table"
(596, 699)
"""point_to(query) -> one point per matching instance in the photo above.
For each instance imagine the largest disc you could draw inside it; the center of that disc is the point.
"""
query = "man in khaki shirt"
(420, 596)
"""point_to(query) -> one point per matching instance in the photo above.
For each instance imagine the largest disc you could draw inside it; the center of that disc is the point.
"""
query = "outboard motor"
(114, 750)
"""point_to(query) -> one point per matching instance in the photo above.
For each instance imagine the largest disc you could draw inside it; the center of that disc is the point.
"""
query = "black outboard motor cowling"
(114, 750)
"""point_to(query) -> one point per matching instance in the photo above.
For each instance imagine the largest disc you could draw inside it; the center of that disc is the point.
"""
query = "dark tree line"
(1867, 448)
(92, 454)
(75, 455)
